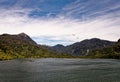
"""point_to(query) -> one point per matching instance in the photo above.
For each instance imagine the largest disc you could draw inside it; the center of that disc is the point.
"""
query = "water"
(60, 70)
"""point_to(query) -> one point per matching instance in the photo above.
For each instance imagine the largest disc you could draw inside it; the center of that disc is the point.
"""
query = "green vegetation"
(109, 52)
(21, 46)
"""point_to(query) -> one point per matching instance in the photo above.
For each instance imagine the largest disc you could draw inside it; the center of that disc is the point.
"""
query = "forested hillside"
(109, 52)
(22, 46)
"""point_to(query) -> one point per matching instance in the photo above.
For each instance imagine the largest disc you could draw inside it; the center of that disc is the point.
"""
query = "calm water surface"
(60, 70)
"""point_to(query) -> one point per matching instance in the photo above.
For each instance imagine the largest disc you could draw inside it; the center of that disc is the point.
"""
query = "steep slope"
(26, 38)
(85, 46)
(22, 46)
(108, 52)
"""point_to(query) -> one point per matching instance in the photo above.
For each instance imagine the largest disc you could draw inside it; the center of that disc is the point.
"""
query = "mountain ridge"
(22, 46)
(82, 47)
(108, 52)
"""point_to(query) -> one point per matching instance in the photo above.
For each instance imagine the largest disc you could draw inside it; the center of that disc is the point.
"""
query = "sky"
(51, 22)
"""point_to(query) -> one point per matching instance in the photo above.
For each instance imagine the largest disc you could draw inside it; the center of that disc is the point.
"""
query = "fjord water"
(60, 70)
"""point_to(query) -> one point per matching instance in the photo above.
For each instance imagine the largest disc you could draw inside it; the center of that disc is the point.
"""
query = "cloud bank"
(68, 26)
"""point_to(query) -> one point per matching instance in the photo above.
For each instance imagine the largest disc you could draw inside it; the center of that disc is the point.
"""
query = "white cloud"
(91, 8)
(60, 29)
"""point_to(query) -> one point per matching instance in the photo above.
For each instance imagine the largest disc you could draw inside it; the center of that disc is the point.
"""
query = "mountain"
(21, 37)
(83, 47)
(22, 46)
(58, 48)
(108, 52)
(26, 38)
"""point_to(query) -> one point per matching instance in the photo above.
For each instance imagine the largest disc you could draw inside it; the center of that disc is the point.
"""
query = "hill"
(108, 52)
(22, 46)
(84, 47)
(58, 48)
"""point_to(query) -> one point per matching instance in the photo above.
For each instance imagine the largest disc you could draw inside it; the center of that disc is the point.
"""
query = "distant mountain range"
(83, 47)
(91, 48)
(22, 46)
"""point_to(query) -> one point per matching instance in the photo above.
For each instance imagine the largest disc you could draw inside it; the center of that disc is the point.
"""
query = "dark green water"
(60, 70)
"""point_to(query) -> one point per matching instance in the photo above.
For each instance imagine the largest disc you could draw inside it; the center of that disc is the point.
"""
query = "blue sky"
(52, 22)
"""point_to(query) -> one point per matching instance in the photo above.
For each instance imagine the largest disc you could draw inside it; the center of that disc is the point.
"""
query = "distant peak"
(23, 34)
(95, 39)
(59, 45)
(26, 38)
(5, 34)
(92, 39)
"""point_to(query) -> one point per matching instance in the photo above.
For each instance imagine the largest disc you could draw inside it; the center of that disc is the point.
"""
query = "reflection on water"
(60, 70)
